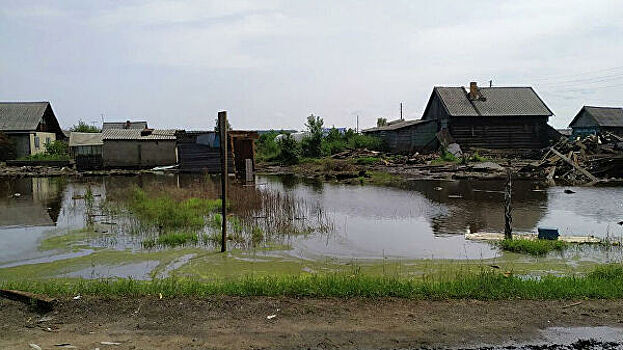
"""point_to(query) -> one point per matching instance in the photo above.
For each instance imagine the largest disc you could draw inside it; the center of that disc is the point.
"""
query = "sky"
(272, 63)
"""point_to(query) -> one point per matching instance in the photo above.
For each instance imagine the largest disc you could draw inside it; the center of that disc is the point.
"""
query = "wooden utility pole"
(222, 126)
(400, 110)
(508, 193)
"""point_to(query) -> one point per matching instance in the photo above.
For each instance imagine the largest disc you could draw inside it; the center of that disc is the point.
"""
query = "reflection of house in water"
(38, 204)
(481, 205)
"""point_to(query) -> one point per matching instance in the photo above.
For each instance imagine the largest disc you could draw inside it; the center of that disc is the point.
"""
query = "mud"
(237, 323)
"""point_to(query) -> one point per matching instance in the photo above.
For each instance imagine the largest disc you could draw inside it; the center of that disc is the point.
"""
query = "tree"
(289, 150)
(381, 122)
(7, 148)
(312, 145)
(84, 127)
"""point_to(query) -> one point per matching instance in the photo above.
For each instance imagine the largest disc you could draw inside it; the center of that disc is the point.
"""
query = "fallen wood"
(41, 301)
(577, 167)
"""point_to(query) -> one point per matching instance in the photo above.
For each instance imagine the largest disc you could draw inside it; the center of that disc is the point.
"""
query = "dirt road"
(248, 323)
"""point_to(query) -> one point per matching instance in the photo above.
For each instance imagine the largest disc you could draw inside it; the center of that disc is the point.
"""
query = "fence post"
(222, 125)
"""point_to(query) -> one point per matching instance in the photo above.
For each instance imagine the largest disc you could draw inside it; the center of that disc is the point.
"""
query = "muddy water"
(427, 219)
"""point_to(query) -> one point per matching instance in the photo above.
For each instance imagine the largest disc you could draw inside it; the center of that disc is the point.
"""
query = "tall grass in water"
(603, 283)
(258, 214)
(532, 246)
(166, 213)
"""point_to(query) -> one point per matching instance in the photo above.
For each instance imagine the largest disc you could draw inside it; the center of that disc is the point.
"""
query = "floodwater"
(423, 220)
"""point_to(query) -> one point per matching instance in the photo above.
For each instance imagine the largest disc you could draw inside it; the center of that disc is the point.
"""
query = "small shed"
(136, 148)
(86, 149)
(592, 120)
(407, 136)
(199, 151)
(30, 126)
(512, 118)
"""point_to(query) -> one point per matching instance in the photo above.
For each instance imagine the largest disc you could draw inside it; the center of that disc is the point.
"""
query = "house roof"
(85, 139)
(124, 125)
(604, 116)
(494, 102)
(135, 134)
(397, 124)
(21, 116)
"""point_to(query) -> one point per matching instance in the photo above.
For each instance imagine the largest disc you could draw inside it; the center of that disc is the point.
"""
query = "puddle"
(137, 271)
(568, 335)
(179, 262)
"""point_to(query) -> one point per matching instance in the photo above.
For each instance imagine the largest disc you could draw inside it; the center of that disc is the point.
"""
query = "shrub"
(267, 147)
(289, 151)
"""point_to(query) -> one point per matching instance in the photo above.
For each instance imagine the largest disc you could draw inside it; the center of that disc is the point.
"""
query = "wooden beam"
(577, 167)
(41, 301)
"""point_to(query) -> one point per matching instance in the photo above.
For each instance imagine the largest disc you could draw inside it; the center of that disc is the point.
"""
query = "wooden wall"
(500, 132)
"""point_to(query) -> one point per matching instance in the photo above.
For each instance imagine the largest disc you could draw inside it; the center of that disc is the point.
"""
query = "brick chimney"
(473, 91)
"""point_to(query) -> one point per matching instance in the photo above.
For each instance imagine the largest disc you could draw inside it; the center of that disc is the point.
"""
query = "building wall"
(85, 150)
(21, 143)
(436, 111)
(138, 154)
(500, 132)
(411, 139)
(38, 140)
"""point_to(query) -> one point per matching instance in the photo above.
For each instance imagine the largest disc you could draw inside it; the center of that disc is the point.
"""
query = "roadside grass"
(605, 282)
(532, 246)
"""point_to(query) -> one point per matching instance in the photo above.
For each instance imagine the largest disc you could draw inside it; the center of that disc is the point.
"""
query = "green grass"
(532, 246)
(46, 156)
(166, 213)
(172, 240)
(603, 283)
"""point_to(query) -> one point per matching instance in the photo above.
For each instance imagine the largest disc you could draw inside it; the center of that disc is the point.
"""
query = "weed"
(171, 240)
(532, 246)
(367, 160)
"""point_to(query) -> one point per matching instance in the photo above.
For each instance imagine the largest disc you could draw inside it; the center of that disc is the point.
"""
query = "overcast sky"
(272, 63)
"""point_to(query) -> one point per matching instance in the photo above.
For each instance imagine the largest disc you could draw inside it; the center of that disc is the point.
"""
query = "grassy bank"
(605, 282)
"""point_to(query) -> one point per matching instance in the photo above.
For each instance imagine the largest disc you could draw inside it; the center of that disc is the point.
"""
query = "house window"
(37, 141)
(47, 140)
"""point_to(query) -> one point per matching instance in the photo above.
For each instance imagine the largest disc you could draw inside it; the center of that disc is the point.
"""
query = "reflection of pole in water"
(508, 193)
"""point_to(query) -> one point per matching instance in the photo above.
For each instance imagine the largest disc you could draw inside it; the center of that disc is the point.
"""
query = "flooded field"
(93, 227)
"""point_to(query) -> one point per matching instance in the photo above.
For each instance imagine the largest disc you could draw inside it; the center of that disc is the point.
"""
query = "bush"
(267, 147)
(55, 150)
(289, 151)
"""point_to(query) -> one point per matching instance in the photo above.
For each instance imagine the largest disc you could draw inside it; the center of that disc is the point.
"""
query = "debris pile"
(589, 160)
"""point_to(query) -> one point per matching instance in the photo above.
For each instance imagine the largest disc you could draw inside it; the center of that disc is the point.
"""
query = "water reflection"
(31, 201)
(426, 219)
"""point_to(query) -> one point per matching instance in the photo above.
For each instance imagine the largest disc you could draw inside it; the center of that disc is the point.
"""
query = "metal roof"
(604, 116)
(135, 134)
(124, 125)
(494, 102)
(85, 139)
(395, 125)
(21, 116)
